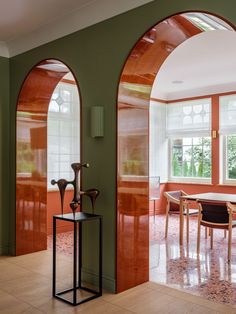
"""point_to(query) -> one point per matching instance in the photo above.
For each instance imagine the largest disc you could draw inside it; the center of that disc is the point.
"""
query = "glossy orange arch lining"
(137, 78)
(31, 155)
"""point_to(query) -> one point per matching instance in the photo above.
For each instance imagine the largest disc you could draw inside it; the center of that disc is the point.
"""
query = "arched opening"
(135, 131)
(47, 142)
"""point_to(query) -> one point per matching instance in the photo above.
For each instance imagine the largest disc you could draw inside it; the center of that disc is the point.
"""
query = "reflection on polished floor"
(209, 276)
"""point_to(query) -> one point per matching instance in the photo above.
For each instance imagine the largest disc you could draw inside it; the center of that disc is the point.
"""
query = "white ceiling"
(205, 63)
(25, 24)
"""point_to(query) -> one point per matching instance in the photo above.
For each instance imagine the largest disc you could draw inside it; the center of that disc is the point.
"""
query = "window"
(63, 132)
(191, 157)
(207, 22)
(188, 131)
(228, 138)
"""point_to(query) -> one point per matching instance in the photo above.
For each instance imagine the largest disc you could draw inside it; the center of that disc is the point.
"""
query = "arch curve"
(31, 154)
(134, 93)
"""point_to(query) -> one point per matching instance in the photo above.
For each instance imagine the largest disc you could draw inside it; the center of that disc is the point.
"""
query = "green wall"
(96, 56)
(4, 156)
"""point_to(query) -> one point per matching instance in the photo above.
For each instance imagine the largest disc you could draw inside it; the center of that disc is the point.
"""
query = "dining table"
(214, 197)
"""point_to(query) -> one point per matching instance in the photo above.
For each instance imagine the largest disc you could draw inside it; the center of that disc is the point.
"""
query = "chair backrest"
(176, 195)
(214, 213)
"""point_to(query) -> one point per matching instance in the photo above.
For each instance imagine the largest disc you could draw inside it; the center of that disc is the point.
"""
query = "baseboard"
(108, 283)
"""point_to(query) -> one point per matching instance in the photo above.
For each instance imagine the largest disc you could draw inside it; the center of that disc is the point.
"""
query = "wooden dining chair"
(173, 207)
(216, 216)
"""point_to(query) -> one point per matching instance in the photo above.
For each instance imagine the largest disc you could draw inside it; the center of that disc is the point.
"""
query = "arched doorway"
(44, 119)
(133, 169)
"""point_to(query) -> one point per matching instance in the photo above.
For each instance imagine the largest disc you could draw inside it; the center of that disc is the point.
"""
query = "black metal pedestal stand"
(77, 219)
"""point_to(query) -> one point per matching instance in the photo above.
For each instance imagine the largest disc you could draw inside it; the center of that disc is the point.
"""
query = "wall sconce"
(97, 121)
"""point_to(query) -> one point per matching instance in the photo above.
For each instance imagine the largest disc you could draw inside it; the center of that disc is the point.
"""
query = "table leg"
(181, 221)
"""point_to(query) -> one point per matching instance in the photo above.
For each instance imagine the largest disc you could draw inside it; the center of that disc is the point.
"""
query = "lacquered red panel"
(54, 208)
(31, 155)
(135, 86)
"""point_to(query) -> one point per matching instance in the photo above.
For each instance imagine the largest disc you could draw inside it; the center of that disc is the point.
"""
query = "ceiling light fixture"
(177, 82)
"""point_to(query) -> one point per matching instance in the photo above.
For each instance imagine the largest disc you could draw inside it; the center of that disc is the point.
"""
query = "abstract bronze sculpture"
(62, 184)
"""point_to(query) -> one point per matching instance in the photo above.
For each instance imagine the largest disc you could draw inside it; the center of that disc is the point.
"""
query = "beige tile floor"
(25, 287)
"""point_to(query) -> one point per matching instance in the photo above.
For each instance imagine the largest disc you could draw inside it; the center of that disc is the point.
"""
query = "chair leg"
(198, 235)
(205, 232)
(167, 219)
(225, 233)
(211, 238)
(229, 243)
(230, 233)
(187, 224)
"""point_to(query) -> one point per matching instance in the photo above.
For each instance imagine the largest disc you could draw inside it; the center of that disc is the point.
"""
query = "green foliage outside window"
(231, 156)
(191, 157)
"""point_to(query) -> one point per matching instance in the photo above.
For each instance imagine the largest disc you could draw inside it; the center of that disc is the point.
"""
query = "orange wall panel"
(54, 208)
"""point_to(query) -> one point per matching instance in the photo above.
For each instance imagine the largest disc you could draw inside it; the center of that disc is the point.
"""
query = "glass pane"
(53, 144)
(187, 141)
(53, 162)
(192, 158)
(197, 141)
(231, 156)
(66, 95)
(63, 132)
(53, 106)
(65, 167)
(67, 175)
(66, 127)
(53, 126)
(65, 107)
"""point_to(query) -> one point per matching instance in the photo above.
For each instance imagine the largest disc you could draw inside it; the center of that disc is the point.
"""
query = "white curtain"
(228, 114)
(188, 118)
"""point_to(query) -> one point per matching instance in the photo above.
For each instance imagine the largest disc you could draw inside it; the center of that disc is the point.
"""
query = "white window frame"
(56, 116)
(184, 133)
(224, 161)
(225, 130)
(171, 178)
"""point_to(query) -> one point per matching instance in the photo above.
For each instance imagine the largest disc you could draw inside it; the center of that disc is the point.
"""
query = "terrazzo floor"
(209, 275)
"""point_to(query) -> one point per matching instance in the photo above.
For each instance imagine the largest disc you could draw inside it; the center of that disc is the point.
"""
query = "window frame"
(223, 133)
(224, 161)
(182, 179)
(59, 116)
